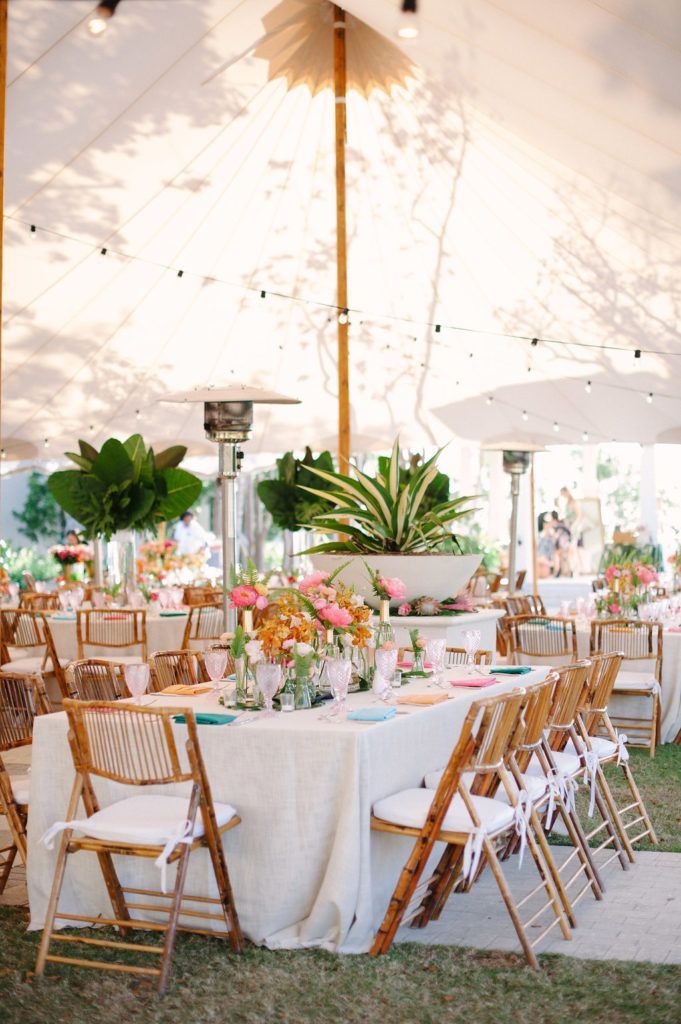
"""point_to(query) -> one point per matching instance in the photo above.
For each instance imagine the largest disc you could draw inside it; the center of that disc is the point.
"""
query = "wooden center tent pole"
(340, 82)
(3, 91)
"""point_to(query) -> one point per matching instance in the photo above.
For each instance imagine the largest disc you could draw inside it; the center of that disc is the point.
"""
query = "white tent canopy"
(521, 181)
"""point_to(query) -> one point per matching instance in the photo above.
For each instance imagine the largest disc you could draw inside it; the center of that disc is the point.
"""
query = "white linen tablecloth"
(163, 634)
(305, 866)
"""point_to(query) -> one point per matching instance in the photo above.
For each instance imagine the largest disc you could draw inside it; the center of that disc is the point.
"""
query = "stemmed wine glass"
(137, 680)
(216, 663)
(386, 664)
(268, 677)
(435, 654)
(471, 642)
(339, 673)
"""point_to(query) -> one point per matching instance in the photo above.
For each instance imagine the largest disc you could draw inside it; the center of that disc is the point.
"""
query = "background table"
(305, 866)
(450, 627)
(163, 634)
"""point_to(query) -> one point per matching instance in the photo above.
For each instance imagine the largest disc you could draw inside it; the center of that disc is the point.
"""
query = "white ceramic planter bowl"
(437, 576)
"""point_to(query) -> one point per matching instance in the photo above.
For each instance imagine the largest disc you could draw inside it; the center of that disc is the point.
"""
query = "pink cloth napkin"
(482, 681)
(410, 664)
(674, 629)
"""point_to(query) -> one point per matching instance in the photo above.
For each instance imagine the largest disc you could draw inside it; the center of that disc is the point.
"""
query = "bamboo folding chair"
(24, 630)
(135, 746)
(536, 604)
(205, 622)
(458, 656)
(470, 823)
(639, 642)
(541, 639)
(96, 679)
(170, 668)
(35, 602)
(112, 628)
(199, 595)
(22, 697)
(600, 736)
(519, 605)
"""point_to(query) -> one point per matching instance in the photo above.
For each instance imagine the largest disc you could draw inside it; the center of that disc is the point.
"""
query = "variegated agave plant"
(386, 513)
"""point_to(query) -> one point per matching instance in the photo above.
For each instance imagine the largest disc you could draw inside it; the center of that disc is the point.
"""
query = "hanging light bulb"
(587, 387)
(525, 416)
(649, 398)
(100, 19)
(489, 399)
(556, 426)
(343, 317)
(585, 436)
(46, 443)
(137, 414)
(407, 27)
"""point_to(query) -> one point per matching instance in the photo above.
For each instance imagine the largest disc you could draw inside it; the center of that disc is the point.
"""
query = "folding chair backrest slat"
(169, 668)
(458, 656)
(22, 697)
(111, 628)
(636, 640)
(569, 696)
(205, 622)
(542, 636)
(96, 679)
(602, 677)
(131, 745)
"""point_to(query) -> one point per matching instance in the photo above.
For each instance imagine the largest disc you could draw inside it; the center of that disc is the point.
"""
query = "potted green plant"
(387, 521)
(124, 488)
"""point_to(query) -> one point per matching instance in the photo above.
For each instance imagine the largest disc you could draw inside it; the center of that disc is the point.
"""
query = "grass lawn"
(659, 783)
(412, 984)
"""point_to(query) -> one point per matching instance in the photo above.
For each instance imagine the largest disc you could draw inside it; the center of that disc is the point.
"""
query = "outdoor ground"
(416, 982)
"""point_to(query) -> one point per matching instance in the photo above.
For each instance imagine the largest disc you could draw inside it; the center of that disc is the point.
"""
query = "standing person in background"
(190, 536)
(572, 518)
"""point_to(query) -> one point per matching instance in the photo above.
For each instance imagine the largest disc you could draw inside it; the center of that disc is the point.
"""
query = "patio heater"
(228, 421)
(517, 459)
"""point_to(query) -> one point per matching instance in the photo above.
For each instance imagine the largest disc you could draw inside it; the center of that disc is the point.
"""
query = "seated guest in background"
(72, 539)
(546, 546)
(190, 536)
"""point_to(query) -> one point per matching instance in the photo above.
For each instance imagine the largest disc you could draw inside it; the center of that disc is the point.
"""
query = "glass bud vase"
(247, 620)
(243, 677)
(418, 665)
(383, 632)
(303, 699)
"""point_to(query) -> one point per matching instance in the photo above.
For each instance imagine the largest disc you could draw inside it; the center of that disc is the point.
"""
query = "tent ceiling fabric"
(516, 171)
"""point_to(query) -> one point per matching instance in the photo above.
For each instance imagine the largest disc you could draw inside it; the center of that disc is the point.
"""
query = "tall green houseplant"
(124, 486)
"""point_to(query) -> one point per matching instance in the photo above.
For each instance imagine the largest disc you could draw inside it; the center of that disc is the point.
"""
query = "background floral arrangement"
(628, 587)
(430, 606)
(158, 560)
(71, 554)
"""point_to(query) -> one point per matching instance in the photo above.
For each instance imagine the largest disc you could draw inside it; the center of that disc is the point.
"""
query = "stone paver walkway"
(639, 917)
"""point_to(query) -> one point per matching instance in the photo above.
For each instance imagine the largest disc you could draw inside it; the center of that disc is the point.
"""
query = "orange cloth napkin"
(422, 698)
(183, 690)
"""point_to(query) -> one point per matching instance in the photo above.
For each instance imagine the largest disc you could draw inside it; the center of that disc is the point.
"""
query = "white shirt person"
(190, 536)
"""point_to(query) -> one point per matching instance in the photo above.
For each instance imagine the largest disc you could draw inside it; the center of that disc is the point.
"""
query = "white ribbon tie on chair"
(183, 834)
(521, 821)
(48, 837)
(472, 852)
(590, 769)
(563, 786)
(622, 752)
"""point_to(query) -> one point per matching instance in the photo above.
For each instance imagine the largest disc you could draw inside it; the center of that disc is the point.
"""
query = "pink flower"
(646, 574)
(244, 596)
(389, 645)
(612, 572)
(394, 588)
(405, 609)
(614, 608)
(319, 602)
(315, 579)
(335, 615)
(261, 602)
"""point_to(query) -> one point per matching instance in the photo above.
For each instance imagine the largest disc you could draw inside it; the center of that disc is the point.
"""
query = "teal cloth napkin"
(207, 719)
(372, 714)
(513, 670)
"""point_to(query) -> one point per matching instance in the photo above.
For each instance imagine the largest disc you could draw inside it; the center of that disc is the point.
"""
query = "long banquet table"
(164, 633)
(305, 866)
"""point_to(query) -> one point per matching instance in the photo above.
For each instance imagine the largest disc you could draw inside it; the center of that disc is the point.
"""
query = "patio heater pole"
(515, 463)
(339, 77)
(228, 467)
(533, 515)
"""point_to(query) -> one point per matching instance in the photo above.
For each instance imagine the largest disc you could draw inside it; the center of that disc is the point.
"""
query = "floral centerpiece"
(425, 605)
(69, 555)
(335, 606)
(159, 564)
(417, 647)
(628, 587)
(249, 591)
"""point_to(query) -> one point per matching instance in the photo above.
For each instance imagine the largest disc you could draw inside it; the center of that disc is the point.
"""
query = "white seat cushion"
(534, 785)
(151, 820)
(410, 808)
(20, 786)
(567, 763)
(601, 746)
(432, 779)
(634, 681)
(32, 664)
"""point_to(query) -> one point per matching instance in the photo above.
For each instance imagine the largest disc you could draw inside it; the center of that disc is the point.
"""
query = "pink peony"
(244, 596)
(646, 574)
(612, 572)
(335, 615)
(405, 609)
(394, 588)
(315, 579)
(262, 602)
(614, 608)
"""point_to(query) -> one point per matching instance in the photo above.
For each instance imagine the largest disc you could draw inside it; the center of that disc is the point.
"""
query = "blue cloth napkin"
(372, 714)
(513, 670)
(207, 719)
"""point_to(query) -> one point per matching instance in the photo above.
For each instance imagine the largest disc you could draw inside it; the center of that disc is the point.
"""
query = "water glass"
(287, 700)
(137, 680)
(268, 677)
(386, 664)
(339, 672)
(435, 654)
(471, 643)
(397, 679)
(216, 663)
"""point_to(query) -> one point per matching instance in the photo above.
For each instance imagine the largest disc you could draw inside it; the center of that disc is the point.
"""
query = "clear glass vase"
(418, 665)
(243, 680)
(303, 698)
(383, 632)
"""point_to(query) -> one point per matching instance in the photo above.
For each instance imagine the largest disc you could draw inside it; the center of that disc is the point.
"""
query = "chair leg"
(400, 899)
(611, 830)
(6, 866)
(510, 903)
(57, 883)
(551, 865)
(614, 813)
(217, 855)
(547, 875)
(654, 724)
(173, 917)
(444, 878)
(570, 819)
(633, 789)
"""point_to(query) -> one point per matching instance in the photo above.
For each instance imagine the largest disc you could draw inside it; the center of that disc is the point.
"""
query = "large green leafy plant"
(124, 486)
(388, 512)
(291, 507)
